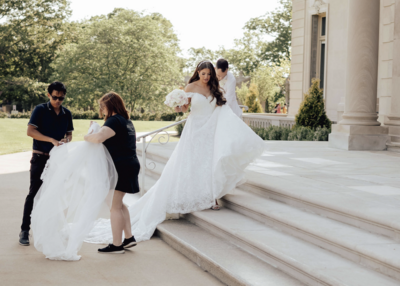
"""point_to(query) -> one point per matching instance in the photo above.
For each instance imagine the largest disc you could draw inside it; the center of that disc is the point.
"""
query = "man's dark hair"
(57, 85)
(222, 64)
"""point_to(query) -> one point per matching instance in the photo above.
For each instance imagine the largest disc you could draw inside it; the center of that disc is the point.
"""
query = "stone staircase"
(281, 232)
(394, 144)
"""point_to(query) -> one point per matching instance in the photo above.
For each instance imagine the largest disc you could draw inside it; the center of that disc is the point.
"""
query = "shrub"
(312, 110)
(179, 128)
(81, 114)
(168, 116)
(21, 115)
(3, 114)
(252, 100)
(285, 133)
(301, 133)
(135, 117)
(322, 134)
(275, 133)
(298, 133)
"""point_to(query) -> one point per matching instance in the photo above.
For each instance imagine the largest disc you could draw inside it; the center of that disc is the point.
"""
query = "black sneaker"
(24, 237)
(111, 248)
(129, 242)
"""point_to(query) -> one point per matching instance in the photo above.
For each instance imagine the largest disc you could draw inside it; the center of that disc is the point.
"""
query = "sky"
(199, 23)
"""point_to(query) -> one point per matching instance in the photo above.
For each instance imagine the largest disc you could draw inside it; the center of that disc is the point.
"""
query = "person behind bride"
(119, 137)
(228, 82)
(208, 162)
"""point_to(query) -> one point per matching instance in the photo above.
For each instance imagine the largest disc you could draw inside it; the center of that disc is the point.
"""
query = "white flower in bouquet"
(176, 98)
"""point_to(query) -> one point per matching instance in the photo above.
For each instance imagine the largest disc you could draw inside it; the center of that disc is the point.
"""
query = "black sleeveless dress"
(122, 148)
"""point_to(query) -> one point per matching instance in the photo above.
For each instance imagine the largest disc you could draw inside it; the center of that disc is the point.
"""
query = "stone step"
(214, 254)
(298, 192)
(337, 204)
(372, 250)
(393, 146)
(302, 260)
(222, 259)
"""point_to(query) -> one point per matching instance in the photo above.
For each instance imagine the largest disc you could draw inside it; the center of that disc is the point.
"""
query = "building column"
(359, 128)
(393, 121)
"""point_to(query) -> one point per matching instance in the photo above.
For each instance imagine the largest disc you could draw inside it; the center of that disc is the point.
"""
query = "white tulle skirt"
(207, 163)
(78, 186)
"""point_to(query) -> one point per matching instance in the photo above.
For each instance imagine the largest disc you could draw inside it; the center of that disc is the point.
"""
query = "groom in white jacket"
(228, 82)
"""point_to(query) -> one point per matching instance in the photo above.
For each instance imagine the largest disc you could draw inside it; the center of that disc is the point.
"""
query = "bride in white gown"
(208, 162)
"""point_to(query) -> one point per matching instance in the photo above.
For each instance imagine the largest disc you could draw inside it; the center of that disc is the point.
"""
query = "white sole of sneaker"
(129, 245)
(113, 252)
(24, 244)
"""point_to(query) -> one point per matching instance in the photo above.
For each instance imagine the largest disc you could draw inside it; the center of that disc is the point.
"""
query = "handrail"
(159, 130)
(244, 106)
(144, 148)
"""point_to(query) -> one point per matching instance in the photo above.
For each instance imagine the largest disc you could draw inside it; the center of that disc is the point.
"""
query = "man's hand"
(56, 142)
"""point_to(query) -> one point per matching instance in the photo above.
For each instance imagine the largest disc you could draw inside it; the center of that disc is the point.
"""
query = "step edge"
(300, 268)
(214, 268)
(342, 246)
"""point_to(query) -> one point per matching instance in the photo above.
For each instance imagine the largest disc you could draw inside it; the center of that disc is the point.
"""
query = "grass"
(13, 136)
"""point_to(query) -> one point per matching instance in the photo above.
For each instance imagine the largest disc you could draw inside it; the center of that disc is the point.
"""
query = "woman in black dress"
(119, 137)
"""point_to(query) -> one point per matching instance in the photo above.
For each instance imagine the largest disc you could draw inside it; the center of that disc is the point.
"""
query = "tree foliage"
(197, 55)
(23, 89)
(312, 109)
(241, 92)
(252, 100)
(125, 51)
(254, 50)
(279, 25)
(31, 33)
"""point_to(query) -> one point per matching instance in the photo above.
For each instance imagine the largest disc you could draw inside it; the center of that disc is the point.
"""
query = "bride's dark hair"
(213, 83)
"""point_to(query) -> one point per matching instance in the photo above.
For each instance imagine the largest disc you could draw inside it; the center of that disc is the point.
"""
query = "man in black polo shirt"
(50, 125)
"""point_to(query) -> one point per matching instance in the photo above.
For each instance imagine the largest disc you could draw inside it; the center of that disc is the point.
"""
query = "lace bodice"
(202, 105)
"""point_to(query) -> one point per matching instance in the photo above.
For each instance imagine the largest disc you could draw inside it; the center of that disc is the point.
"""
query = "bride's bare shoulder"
(191, 87)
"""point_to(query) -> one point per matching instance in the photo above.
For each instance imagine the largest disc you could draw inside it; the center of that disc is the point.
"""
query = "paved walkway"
(149, 263)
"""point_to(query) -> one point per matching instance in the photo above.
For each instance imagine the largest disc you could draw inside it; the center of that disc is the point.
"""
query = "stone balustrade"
(265, 120)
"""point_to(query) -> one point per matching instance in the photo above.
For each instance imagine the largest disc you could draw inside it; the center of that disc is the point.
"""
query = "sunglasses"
(61, 98)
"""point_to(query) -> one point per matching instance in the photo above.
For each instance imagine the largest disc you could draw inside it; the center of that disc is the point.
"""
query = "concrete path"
(149, 263)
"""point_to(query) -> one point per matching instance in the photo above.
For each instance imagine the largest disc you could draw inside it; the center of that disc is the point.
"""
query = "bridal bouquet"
(176, 98)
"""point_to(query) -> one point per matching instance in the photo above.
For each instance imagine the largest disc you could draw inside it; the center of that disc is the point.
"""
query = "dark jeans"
(38, 162)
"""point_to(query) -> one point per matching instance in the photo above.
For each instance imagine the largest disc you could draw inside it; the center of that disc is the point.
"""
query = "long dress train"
(207, 163)
(78, 184)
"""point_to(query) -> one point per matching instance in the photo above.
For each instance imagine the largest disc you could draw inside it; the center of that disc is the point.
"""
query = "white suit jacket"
(229, 86)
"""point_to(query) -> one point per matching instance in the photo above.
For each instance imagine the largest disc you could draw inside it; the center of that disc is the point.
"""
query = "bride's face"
(204, 75)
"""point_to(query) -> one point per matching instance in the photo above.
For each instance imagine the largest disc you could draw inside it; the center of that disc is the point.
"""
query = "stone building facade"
(353, 47)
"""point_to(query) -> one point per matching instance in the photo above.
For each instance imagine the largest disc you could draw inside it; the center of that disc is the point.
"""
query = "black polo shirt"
(50, 124)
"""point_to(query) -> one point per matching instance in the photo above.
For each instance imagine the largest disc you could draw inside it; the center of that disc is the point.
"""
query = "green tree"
(198, 55)
(253, 50)
(312, 109)
(245, 56)
(242, 92)
(31, 33)
(133, 54)
(279, 25)
(252, 100)
(270, 80)
(23, 90)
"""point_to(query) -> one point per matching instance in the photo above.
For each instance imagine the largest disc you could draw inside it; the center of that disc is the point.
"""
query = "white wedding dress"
(78, 184)
(208, 162)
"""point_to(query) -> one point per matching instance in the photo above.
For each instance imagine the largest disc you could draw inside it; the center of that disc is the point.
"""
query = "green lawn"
(13, 136)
